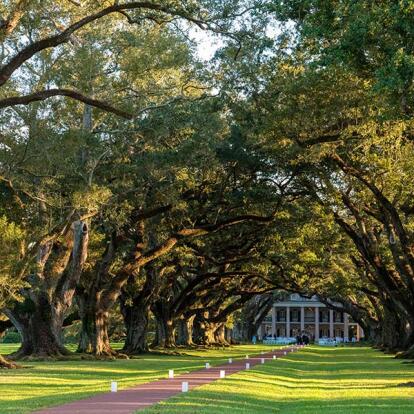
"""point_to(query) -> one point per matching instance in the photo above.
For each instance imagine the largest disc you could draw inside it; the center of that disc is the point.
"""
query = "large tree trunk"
(94, 338)
(40, 318)
(198, 329)
(135, 311)
(394, 335)
(204, 330)
(185, 331)
(165, 333)
(220, 335)
(208, 334)
(95, 301)
(136, 324)
(40, 329)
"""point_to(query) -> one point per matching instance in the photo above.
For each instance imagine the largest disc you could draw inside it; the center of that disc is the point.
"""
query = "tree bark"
(165, 322)
(94, 338)
(136, 314)
(165, 333)
(136, 323)
(393, 333)
(40, 330)
(185, 331)
(220, 335)
(40, 318)
(208, 334)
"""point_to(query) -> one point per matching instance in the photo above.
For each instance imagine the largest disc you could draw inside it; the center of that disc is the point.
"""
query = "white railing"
(330, 341)
(280, 340)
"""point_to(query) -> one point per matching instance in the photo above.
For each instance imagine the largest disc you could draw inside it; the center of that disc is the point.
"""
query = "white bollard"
(247, 365)
(262, 361)
(184, 387)
(171, 373)
(230, 361)
(222, 373)
(274, 356)
(114, 386)
(285, 353)
(207, 365)
(247, 356)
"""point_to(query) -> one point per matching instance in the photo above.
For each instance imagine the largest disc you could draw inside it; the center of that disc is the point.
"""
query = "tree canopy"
(137, 179)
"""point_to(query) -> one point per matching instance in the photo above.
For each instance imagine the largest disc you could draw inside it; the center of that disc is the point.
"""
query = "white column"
(260, 332)
(346, 327)
(273, 321)
(316, 324)
(331, 323)
(287, 321)
(302, 319)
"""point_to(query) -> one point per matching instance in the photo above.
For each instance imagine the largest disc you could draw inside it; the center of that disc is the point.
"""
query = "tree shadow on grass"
(204, 402)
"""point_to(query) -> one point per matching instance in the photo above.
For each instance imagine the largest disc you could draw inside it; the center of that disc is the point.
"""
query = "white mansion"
(297, 315)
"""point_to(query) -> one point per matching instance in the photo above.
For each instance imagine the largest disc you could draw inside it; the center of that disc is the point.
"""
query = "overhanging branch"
(42, 95)
(7, 70)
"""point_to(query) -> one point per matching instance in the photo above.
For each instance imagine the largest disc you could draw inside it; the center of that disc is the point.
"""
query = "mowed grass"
(46, 384)
(313, 381)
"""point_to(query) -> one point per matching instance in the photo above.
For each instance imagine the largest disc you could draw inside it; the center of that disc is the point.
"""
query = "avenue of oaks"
(141, 184)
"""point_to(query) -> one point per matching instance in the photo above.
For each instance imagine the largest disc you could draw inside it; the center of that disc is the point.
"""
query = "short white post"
(247, 356)
(262, 361)
(170, 373)
(184, 386)
(285, 353)
(114, 386)
(222, 373)
(230, 361)
(274, 356)
(207, 365)
(247, 365)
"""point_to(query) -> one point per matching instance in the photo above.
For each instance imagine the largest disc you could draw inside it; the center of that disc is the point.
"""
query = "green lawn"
(51, 383)
(314, 381)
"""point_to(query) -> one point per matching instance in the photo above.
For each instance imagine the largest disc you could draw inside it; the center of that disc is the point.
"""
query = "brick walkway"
(137, 398)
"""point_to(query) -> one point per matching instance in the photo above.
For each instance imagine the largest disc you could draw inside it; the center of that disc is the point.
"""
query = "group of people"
(302, 339)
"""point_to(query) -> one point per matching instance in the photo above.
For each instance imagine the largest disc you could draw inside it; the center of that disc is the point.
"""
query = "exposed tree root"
(7, 364)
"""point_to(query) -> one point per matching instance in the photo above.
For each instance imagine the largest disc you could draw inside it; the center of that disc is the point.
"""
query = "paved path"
(137, 398)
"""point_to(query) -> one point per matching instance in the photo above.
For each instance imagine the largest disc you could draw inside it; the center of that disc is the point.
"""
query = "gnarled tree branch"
(42, 95)
(32, 49)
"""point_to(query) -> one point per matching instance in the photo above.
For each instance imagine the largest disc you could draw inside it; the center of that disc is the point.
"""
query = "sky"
(207, 43)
